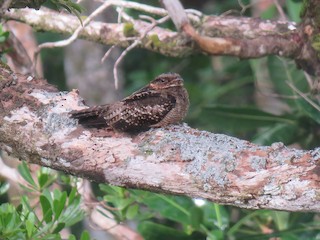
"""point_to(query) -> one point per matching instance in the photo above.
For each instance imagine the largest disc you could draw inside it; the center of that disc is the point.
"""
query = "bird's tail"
(91, 117)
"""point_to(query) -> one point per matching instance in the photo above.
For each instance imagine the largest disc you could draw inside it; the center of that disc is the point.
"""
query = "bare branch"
(134, 45)
(35, 125)
(235, 36)
(270, 37)
(75, 35)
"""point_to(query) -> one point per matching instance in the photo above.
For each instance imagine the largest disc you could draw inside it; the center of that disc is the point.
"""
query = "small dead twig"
(75, 35)
(303, 95)
(135, 43)
(280, 10)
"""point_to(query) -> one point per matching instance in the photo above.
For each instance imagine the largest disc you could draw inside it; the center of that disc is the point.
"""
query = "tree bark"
(215, 35)
(35, 126)
(235, 36)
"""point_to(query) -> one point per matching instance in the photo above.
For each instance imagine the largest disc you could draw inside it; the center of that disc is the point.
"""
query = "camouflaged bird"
(162, 102)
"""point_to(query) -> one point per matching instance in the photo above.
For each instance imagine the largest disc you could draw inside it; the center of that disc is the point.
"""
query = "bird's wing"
(91, 117)
(140, 110)
(142, 93)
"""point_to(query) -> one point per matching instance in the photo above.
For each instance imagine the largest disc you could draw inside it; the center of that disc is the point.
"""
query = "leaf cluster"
(3, 38)
(68, 5)
(52, 212)
(174, 217)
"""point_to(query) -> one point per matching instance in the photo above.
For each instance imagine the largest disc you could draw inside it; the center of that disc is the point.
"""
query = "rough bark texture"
(214, 35)
(264, 37)
(35, 126)
(234, 36)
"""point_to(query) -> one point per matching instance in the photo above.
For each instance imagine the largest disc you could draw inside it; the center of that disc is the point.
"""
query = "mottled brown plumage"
(162, 102)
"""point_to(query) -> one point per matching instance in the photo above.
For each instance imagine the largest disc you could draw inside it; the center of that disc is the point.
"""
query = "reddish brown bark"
(35, 126)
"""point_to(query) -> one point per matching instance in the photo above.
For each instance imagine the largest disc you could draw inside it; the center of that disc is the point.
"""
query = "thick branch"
(236, 36)
(35, 126)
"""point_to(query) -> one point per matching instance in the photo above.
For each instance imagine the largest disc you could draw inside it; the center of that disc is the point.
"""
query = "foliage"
(68, 5)
(174, 217)
(3, 37)
(45, 218)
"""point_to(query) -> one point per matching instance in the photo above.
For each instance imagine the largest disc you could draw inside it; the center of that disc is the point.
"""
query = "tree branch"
(249, 37)
(35, 126)
(234, 36)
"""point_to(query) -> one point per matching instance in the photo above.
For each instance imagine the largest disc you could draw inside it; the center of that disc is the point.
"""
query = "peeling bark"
(35, 126)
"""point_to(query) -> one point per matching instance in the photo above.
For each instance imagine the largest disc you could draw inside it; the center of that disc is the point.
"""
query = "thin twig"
(309, 80)
(193, 14)
(280, 10)
(74, 36)
(134, 44)
(244, 6)
(304, 96)
(116, 64)
(107, 53)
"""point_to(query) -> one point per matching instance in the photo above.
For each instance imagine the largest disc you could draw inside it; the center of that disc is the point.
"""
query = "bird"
(162, 102)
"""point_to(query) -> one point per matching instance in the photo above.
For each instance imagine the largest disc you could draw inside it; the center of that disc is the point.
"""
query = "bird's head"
(166, 80)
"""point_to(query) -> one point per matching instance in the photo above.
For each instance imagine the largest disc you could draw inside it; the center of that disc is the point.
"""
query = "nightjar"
(162, 102)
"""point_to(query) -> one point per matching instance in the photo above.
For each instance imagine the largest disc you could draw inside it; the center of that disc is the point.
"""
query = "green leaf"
(310, 109)
(216, 234)
(59, 205)
(281, 220)
(196, 217)
(240, 118)
(172, 207)
(123, 203)
(229, 87)
(132, 211)
(47, 194)
(46, 208)
(4, 187)
(42, 179)
(278, 133)
(4, 36)
(239, 225)
(25, 173)
(154, 231)
(72, 237)
(72, 195)
(30, 224)
(59, 227)
(72, 212)
(70, 6)
(216, 214)
(25, 204)
(282, 71)
(85, 235)
(293, 8)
